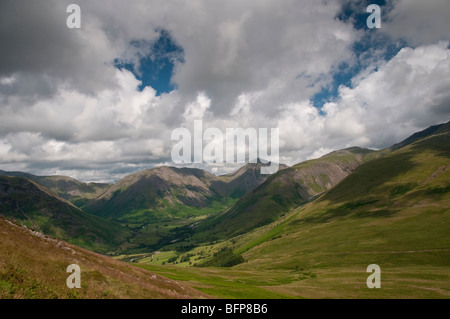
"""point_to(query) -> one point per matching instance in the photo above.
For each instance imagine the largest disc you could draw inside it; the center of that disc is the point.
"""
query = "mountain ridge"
(34, 205)
(66, 187)
(285, 190)
(159, 205)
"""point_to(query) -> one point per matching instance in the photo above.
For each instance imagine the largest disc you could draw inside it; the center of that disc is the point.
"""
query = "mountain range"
(319, 214)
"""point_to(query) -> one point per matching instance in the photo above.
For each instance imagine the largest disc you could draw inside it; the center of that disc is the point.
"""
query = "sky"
(100, 102)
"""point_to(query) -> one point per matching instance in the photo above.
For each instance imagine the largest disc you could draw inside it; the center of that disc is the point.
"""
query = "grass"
(282, 192)
(225, 282)
(35, 267)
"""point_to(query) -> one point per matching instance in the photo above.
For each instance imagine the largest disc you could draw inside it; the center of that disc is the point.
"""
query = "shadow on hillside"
(369, 179)
(357, 195)
(439, 144)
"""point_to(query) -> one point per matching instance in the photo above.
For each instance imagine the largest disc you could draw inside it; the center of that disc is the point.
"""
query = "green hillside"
(308, 231)
(41, 209)
(66, 187)
(400, 202)
(393, 211)
(283, 191)
(165, 193)
(154, 194)
(157, 203)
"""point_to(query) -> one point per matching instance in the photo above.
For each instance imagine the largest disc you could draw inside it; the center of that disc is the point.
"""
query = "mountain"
(167, 193)
(148, 204)
(309, 230)
(33, 265)
(295, 186)
(41, 209)
(242, 181)
(392, 211)
(155, 203)
(284, 191)
(66, 187)
(155, 190)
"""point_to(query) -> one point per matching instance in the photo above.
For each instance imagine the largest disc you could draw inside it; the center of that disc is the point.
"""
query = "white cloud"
(404, 95)
(247, 64)
(196, 110)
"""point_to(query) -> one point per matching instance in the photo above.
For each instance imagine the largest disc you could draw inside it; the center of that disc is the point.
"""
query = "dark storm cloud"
(38, 48)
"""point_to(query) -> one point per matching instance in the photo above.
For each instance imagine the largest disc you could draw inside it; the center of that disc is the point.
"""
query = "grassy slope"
(392, 211)
(282, 192)
(152, 203)
(34, 266)
(66, 187)
(152, 191)
(41, 209)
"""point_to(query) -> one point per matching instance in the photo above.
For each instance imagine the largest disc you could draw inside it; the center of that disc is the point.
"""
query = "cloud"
(419, 22)
(245, 47)
(405, 94)
(196, 110)
(39, 49)
(382, 107)
(65, 107)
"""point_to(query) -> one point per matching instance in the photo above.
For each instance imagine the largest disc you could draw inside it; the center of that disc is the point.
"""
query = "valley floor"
(334, 282)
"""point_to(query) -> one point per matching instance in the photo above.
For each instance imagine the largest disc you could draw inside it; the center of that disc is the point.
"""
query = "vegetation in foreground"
(33, 265)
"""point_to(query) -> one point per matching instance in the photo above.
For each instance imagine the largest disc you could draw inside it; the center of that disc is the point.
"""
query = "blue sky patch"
(154, 62)
(374, 47)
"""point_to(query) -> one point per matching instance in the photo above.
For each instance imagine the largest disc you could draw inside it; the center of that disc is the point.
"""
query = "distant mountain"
(33, 265)
(152, 191)
(284, 191)
(295, 186)
(309, 230)
(241, 181)
(143, 202)
(66, 187)
(166, 192)
(41, 209)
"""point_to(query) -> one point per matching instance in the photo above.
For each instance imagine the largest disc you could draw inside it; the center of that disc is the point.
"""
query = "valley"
(307, 231)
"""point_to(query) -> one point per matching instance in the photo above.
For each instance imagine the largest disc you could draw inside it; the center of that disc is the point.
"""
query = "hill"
(142, 208)
(76, 192)
(155, 193)
(41, 209)
(33, 265)
(168, 192)
(419, 135)
(155, 203)
(282, 192)
(393, 211)
(242, 181)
